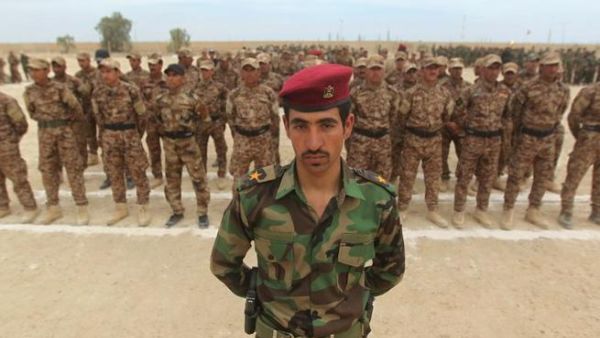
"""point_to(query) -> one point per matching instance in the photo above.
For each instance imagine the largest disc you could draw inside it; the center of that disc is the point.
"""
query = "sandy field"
(123, 281)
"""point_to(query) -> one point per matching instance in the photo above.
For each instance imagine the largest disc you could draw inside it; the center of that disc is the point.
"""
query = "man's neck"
(327, 182)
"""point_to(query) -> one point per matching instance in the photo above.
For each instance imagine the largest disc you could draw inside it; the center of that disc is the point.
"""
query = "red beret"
(402, 47)
(317, 88)
(315, 52)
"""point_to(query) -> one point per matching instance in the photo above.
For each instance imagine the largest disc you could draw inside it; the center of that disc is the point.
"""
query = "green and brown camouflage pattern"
(315, 276)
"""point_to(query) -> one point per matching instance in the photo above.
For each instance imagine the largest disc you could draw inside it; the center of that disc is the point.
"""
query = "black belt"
(377, 133)
(595, 128)
(178, 134)
(53, 123)
(252, 132)
(539, 133)
(483, 133)
(423, 133)
(119, 126)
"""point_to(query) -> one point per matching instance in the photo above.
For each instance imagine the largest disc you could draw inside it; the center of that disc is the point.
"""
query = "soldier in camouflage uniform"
(118, 106)
(2, 73)
(411, 73)
(179, 112)
(136, 75)
(13, 63)
(396, 76)
(287, 65)
(537, 109)
(305, 225)
(275, 82)
(360, 67)
(530, 68)
(192, 74)
(13, 125)
(253, 115)
(584, 123)
(481, 113)
(214, 96)
(54, 107)
(225, 73)
(89, 76)
(375, 108)
(424, 111)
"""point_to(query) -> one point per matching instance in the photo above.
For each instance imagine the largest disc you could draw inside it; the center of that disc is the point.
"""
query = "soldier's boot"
(92, 160)
(458, 219)
(434, 217)
(506, 223)
(53, 213)
(565, 219)
(143, 215)
(483, 218)
(4, 211)
(595, 217)
(130, 183)
(83, 217)
(105, 184)
(156, 182)
(222, 183)
(472, 191)
(444, 185)
(203, 221)
(119, 213)
(29, 216)
(553, 186)
(499, 184)
(174, 219)
(534, 216)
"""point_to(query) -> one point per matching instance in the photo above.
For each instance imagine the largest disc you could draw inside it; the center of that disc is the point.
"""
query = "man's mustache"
(315, 152)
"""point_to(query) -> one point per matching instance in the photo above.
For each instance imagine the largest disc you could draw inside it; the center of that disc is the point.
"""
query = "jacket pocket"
(356, 250)
(275, 251)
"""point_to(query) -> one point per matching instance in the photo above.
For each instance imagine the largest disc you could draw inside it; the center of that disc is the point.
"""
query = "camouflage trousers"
(123, 150)
(428, 152)
(154, 149)
(186, 152)
(586, 153)
(479, 156)
(216, 130)
(250, 149)
(374, 154)
(81, 139)
(14, 168)
(58, 146)
(559, 138)
(15, 76)
(533, 152)
(397, 140)
(505, 150)
(447, 138)
(91, 132)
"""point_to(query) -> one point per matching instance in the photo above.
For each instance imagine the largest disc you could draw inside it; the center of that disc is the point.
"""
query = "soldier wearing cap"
(273, 81)
(360, 66)
(530, 68)
(321, 200)
(343, 57)
(375, 108)
(286, 66)
(151, 87)
(424, 112)
(214, 96)
(192, 74)
(455, 84)
(13, 125)
(54, 107)
(253, 115)
(443, 75)
(225, 73)
(179, 113)
(118, 106)
(136, 75)
(537, 108)
(13, 62)
(89, 76)
(482, 113)
(411, 72)
(396, 76)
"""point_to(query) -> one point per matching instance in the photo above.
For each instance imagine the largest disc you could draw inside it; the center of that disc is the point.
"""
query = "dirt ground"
(124, 281)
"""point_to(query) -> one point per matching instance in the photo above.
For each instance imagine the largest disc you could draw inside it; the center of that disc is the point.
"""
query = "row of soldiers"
(14, 62)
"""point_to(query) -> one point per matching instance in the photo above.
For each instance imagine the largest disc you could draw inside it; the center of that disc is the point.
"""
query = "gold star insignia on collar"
(382, 180)
(255, 176)
(328, 92)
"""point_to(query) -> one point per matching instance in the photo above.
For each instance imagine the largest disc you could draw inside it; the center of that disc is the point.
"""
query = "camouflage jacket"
(228, 77)
(137, 77)
(252, 108)
(13, 125)
(273, 81)
(395, 77)
(426, 107)
(313, 279)
(88, 79)
(375, 107)
(539, 104)
(150, 89)
(455, 87)
(286, 67)
(75, 85)
(122, 104)
(192, 76)
(214, 96)
(483, 106)
(585, 109)
(53, 101)
(179, 111)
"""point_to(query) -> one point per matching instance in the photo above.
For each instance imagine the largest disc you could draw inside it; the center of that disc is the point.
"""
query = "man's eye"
(299, 126)
(328, 125)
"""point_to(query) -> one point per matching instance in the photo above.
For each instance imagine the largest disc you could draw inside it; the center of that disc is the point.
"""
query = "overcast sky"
(574, 21)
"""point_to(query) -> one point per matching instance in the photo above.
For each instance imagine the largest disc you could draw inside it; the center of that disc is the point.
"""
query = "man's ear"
(348, 125)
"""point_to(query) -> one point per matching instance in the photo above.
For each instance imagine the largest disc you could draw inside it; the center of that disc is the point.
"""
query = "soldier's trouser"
(91, 133)
(15, 76)
(81, 139)
(217, 131)
(15, 169)
(479, 156)
(180, 152)
(154, 150)
(531, 151)
(448, 138)
(374, 154)
(58, 146)
(396, 139)
(586, 152)
(505, 150)
(559, 138)
(123, 149)
(255, 149)
(427, 151)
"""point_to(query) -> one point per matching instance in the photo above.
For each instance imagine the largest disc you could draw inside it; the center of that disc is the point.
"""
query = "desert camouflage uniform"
(192, 76)
(90, 79)
(584, 123)
(13, 125)
(286, 67)
(214, 96)
(312, 275)
(275, 82)
(13, 62)
(253, 115)
(537, 109)
(117, 110)
(178, 114)
(137, 77)
(481, 113)
(151, 88)
(455, 88)
(376, 112)
(230, 78)
(508, 135)
(424, 112)
(395, 78)
(54, 107)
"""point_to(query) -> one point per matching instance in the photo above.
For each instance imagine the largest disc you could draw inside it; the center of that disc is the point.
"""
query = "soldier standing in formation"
(13, 62)
(192, 75)
(54, 107)
(89, 76)
(360, 66)
(179, 112)
(396, 76)
(118, 106)
(275, 82)
(13, 125)
(225, 73)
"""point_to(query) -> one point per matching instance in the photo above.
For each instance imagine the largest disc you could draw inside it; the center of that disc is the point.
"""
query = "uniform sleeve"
(394, 111)
(230, 109)
(229, 249)
(274, 114)
(138, 101)
(223, 102)
(16, 116)
(448, 108)
(388, 265)
(29, 105)
(461, 107)
(97, 114)
(71, 101)
(404, 109)
(517, 105)
(582, 102)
